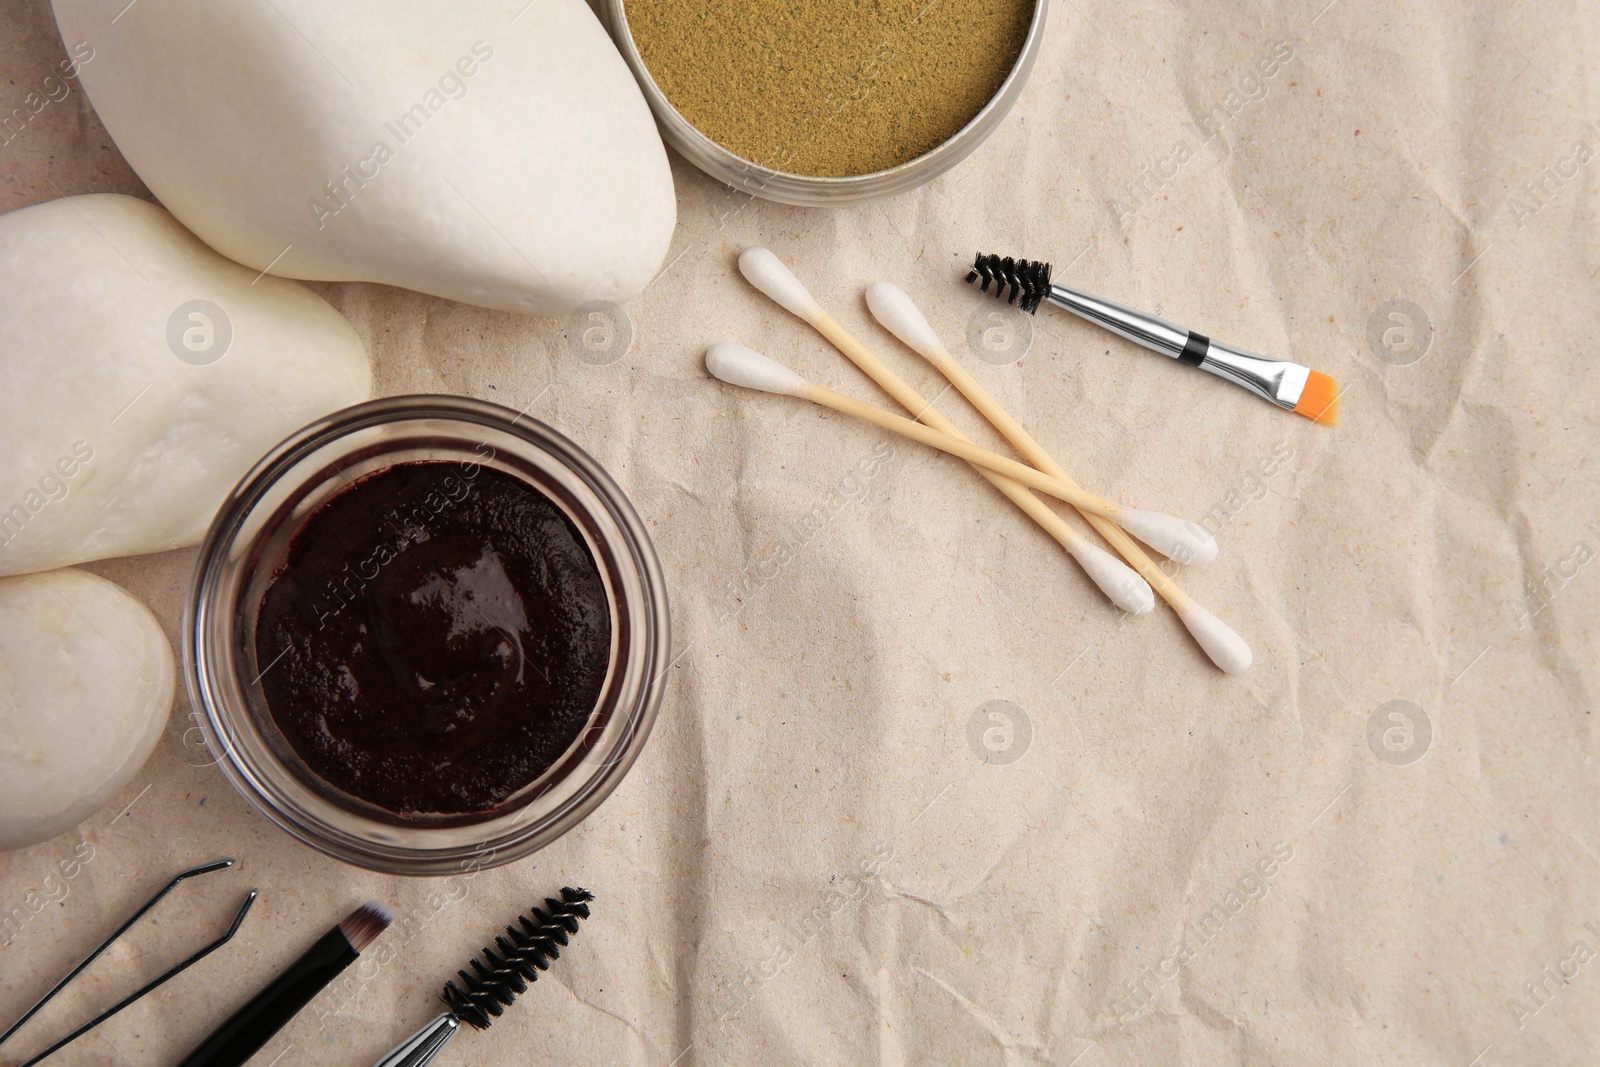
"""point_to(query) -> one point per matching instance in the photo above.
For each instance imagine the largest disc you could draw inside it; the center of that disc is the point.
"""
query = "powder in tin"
(829, 88)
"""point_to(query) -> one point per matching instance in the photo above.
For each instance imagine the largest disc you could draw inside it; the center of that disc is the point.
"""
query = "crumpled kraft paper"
(917, 794)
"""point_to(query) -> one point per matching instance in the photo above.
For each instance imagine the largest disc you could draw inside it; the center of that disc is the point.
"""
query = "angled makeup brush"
(253, 1025)
(1289, 385)
(495, 981)
(1179, 539)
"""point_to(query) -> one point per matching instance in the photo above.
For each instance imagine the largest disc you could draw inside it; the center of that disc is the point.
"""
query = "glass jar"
(807, 190)
(248, 539)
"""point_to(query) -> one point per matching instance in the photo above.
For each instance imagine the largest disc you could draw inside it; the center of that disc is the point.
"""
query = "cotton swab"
(1114, 578)
(1186, 542)
(768, 273)
(738, 365)
(900, 316)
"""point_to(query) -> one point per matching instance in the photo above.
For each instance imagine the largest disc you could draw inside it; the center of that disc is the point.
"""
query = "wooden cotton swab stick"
(738, 365)
(1114, 578)
(901, 317)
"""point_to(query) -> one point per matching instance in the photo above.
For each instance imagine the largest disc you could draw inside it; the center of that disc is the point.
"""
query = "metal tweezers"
(204, 868)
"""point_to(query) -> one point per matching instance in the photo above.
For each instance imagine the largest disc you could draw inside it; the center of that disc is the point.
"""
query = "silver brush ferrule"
(1276, 380)
(421, 1047)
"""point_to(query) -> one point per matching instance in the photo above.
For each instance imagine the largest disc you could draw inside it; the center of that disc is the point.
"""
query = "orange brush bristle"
(1319, 400)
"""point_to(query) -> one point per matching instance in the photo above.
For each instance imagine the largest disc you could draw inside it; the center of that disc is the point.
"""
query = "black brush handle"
(253, 1025)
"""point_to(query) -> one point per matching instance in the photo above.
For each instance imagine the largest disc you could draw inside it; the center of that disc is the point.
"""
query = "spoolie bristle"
(1027, 279)
(365, 923)
(516, 959)
(1319, 400)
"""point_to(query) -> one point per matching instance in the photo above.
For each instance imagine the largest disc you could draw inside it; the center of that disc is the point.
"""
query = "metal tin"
(807, 190)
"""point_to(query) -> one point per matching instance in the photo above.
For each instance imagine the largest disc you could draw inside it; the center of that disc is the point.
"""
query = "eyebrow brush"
(1290, 386)
(253, 1025)
(496, 980)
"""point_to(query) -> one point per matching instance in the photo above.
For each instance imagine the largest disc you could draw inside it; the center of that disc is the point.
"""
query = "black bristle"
(505, 971)
(1028, 280)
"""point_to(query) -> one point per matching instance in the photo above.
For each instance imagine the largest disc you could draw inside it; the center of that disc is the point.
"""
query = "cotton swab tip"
(1118, 581)
(1226, 648)
(738, 365)
(1177, 539)
(900, 316)
(764, 270)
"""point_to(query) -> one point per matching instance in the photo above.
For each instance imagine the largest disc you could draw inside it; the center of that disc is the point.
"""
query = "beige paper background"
(812, 863)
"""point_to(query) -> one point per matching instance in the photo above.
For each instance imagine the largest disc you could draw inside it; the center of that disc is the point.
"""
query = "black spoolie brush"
(1029, 281)
(495, 980)
(253, 1025)
(1301, 390)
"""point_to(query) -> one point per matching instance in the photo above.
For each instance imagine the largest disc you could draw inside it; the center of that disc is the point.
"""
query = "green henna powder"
(829, 88)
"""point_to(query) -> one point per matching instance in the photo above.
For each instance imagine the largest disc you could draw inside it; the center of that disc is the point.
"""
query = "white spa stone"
(141, 375)
(86, 681)
(496, 152)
